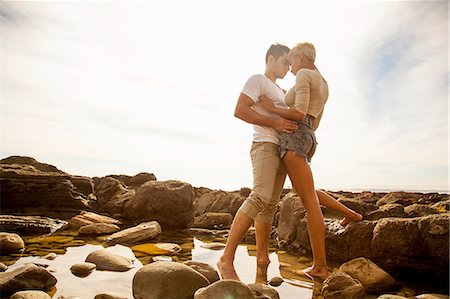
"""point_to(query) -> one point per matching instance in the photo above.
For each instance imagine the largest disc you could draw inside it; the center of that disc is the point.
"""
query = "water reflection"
(75, 251)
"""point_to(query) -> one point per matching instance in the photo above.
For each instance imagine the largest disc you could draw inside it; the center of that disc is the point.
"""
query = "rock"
(245, 192)
(31, 225)
(109, 296)
(224, 289)
(83, 184)
(105, 260)
(276, 281)
(403, 198)
(162, 258)
(168, 202)
(291, 213)
(79, 221)
(144, 231)
(82, 269)
(388, 210)
(442, 206)
(3, 267)
(434, 231)
(27, 277)
(157, 280)
(373, 278)
(98, 229)
(341, 285)
(418, 210)
(111, 196)
(213, 220)
(205, 269)
(218, 201)
(260, 290)
(23, 160)
(432, 296)
(213, 246)
(11, 243)
(140, 179)
(50, 256)
(27, 190)
(30, 294)
(390, 296)
(96, 218)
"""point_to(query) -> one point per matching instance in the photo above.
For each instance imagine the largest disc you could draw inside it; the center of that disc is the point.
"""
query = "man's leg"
(264, 172)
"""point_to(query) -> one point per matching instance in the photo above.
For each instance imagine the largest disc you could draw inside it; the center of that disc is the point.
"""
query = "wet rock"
(156, 248)
(111, 196)
(418, 210)
(264, 291)
(157, 280)
(213, 246)
(104, 260)
(388, 210)
(11, 243)
(98, 229)
(27, 277)
(50, 256)
(83, 184)
(213, 220)
(218, 201)
(27, 190)
(205, 269)
(134, 235)
(372, 277)
(276, 281)
(30, 225)
(109, 296)
(30, 295)
(3, 267)
(168, 202)
(391, 296)
(224, 289)
(432, 296)
(82, 269)
(341, 285)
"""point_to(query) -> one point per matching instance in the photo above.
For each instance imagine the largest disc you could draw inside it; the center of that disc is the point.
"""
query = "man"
(268, 171)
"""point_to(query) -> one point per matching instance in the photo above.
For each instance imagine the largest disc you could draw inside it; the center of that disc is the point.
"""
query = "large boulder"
(23, 160)
(111, 196)
(31, 225)
(419, 210)
(89, 218)
(213, 220)
(28, 277)
(205, 269)
(25, 190)
(167, 280)
(136, 234)
(168, 202)
(83, 184)
(400, 197)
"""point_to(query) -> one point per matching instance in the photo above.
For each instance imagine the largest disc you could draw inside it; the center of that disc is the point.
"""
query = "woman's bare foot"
(227, 270)
(314, 271)
(355, 218)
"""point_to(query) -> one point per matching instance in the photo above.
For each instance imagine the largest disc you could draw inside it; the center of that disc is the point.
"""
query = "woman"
(306, 101)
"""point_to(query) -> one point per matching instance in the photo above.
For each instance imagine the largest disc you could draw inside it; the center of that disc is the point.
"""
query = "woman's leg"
(302, 180)
(330, 202)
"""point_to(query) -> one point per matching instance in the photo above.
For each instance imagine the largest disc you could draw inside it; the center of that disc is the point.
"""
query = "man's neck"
(271, 76)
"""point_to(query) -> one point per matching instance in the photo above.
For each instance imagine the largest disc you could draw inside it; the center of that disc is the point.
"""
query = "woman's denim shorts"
(302, 141)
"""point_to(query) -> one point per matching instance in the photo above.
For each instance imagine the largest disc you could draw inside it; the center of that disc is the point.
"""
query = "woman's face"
(295, 64)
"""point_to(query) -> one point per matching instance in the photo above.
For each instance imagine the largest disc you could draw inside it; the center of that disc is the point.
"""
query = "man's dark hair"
(276, 51)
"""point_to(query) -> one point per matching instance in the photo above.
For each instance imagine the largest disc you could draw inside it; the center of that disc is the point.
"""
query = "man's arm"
(246, 113)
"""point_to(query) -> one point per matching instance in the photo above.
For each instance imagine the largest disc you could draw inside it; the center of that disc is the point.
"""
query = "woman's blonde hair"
(306, 49)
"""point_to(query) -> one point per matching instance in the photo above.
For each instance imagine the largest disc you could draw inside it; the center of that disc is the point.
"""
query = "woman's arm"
(288, 113)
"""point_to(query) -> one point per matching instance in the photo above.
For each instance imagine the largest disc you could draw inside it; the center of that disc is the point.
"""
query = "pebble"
(276, 281)
(50, 256)
(82, 269)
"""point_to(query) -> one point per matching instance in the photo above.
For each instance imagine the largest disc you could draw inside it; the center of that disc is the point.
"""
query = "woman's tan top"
(309, 94)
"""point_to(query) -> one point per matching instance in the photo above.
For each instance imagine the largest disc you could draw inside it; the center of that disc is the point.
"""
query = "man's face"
(281, 66)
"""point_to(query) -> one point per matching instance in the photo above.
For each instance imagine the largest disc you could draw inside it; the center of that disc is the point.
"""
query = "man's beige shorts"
(269, 175)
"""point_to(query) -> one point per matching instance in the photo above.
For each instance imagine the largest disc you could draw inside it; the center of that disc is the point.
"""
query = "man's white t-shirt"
(256, 86)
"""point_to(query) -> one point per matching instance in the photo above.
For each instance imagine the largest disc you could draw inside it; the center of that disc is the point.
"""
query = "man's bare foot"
(355, 218)
(226, 270)
(320, 272)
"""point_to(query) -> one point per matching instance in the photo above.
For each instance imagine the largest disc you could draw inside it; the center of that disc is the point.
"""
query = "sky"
(122, 87)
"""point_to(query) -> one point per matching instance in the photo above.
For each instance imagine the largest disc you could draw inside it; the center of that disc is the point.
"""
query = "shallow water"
(72, 249)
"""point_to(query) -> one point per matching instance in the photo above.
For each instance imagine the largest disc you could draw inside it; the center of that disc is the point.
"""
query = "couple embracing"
(283, 143)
